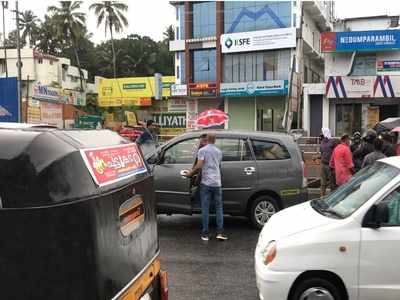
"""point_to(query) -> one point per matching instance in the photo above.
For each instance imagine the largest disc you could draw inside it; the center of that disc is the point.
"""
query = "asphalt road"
(208, 270)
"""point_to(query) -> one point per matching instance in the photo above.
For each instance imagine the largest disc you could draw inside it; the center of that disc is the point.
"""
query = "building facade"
(248, 58)
(48, 83)
(362, 76)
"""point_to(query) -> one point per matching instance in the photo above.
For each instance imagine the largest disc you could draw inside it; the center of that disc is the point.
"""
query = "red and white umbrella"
(212, 117)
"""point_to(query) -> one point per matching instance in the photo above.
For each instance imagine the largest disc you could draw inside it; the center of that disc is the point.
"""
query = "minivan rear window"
(266, 150)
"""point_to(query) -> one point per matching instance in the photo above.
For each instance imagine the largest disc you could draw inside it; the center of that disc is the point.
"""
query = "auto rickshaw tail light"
(164, 285)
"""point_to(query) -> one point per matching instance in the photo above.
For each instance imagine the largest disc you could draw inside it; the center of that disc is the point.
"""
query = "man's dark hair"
(149, 123)
(378, 144)
(345, 137)
(203, 136)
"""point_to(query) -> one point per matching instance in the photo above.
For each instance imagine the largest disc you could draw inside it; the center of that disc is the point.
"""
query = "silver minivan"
(262, 173)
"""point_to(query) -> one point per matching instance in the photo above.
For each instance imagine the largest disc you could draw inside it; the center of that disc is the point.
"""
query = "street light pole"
(19, 64)
(4, 5)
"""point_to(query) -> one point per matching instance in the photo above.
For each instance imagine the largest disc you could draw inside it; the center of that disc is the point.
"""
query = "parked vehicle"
(77, 217)
(262, 173)
(343, 246)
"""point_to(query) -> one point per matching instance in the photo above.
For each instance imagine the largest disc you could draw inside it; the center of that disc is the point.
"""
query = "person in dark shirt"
(365, 148)
(355, 141)
(375, 155)
(148, 134)
(388, 147)
(326, 148)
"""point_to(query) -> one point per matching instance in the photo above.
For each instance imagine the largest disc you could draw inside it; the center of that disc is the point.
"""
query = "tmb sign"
(203, 89)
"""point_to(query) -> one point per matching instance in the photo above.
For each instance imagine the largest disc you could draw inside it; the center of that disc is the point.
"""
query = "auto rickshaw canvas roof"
(42, 166)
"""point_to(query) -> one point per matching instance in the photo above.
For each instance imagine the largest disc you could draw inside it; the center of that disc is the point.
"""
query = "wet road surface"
(208, 270)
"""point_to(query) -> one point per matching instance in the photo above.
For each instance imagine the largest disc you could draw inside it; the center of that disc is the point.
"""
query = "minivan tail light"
(303, 165)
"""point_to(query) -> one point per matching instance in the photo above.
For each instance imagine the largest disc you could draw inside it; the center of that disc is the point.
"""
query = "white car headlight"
(269, 252)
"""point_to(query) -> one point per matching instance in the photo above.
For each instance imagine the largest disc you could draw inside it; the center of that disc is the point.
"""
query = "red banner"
(108, 165)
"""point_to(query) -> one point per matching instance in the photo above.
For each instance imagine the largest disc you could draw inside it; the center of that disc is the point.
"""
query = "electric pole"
(4, 5)
(19, 65)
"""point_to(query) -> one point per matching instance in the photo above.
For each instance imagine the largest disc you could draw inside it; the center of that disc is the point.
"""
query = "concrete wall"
(311, 34)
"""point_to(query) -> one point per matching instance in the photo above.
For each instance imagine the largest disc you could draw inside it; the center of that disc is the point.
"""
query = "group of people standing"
(341, 159)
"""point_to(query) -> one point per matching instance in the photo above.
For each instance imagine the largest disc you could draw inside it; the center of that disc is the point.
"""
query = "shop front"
(258, 105)
(46, 106)
(357, 103)
(133, 94)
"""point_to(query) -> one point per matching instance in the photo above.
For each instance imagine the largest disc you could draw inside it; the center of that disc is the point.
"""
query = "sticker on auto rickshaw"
(108, 165)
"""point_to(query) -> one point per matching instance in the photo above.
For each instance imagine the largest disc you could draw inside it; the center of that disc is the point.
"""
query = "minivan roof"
(239, 133)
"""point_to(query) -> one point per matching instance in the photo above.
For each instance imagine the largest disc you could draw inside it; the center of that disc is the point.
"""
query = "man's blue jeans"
(208, 194)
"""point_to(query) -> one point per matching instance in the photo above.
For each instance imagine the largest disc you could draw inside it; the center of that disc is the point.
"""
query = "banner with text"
(256, 88)
(108, 165)
(259, 40)
(363, 86)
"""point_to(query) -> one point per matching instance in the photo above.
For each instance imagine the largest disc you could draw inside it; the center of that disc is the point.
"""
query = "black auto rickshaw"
(77, 217)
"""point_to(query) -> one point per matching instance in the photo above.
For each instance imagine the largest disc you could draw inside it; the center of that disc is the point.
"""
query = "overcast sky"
(151, 17)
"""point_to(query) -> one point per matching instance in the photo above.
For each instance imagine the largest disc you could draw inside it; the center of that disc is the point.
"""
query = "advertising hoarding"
(255, 88)
(8, 100)
(350, 41)
(258, 40)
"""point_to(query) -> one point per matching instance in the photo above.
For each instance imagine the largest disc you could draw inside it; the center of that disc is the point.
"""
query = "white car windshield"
(351, 196)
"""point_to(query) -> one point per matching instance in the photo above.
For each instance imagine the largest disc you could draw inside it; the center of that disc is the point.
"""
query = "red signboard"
(108, 165)
(328, 41)
(203, 89)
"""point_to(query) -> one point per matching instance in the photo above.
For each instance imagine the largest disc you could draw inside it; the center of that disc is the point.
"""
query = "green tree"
(169, 33)
(28, 24)
(48, 39)
(70, 24)
(112, 14)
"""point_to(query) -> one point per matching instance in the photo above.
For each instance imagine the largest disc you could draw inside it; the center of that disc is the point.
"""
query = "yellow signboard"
(130, 91)
(131, 118)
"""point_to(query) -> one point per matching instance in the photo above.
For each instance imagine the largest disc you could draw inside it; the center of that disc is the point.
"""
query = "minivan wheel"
(262, 209)
(318, 289)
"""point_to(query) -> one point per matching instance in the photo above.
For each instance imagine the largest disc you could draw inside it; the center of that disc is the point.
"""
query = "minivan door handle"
(249, 170)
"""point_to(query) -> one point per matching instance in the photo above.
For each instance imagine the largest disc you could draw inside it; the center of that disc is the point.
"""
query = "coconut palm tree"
(112, 14)
(70, 24)
(29, 25)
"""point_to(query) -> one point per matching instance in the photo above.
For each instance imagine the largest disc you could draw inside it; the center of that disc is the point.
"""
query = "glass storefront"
(180, 16)
(348, 118)
(256, 66)
(242, 16)
(204, 19)
(204, 65)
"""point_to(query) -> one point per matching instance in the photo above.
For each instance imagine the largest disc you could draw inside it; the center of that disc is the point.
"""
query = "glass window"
(234, 149)
(204, 19)
(364, 65)
(182, 66)
(264, 150)
(204, 65)
(256, 66)
(351, 196)
(348, 118)
(181, 153)
(393, 203)
(177, 72)
(180, 11)
(241, 16)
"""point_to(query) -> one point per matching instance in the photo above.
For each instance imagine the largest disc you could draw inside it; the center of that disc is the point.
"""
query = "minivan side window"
(266, 150)
(183, 152)
(234, 149)
(393, 203)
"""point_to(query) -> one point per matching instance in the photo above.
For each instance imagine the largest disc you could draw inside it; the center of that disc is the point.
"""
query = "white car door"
(379, 273)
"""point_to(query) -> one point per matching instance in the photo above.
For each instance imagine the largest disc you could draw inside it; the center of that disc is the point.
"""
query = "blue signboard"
(256, 88)
(360, 40)
(8, 100)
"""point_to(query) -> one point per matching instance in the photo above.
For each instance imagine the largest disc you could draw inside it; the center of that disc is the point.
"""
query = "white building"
(362, 77)
(48, 82)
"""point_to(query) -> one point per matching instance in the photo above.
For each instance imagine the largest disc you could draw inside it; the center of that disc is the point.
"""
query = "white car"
(343, 246)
